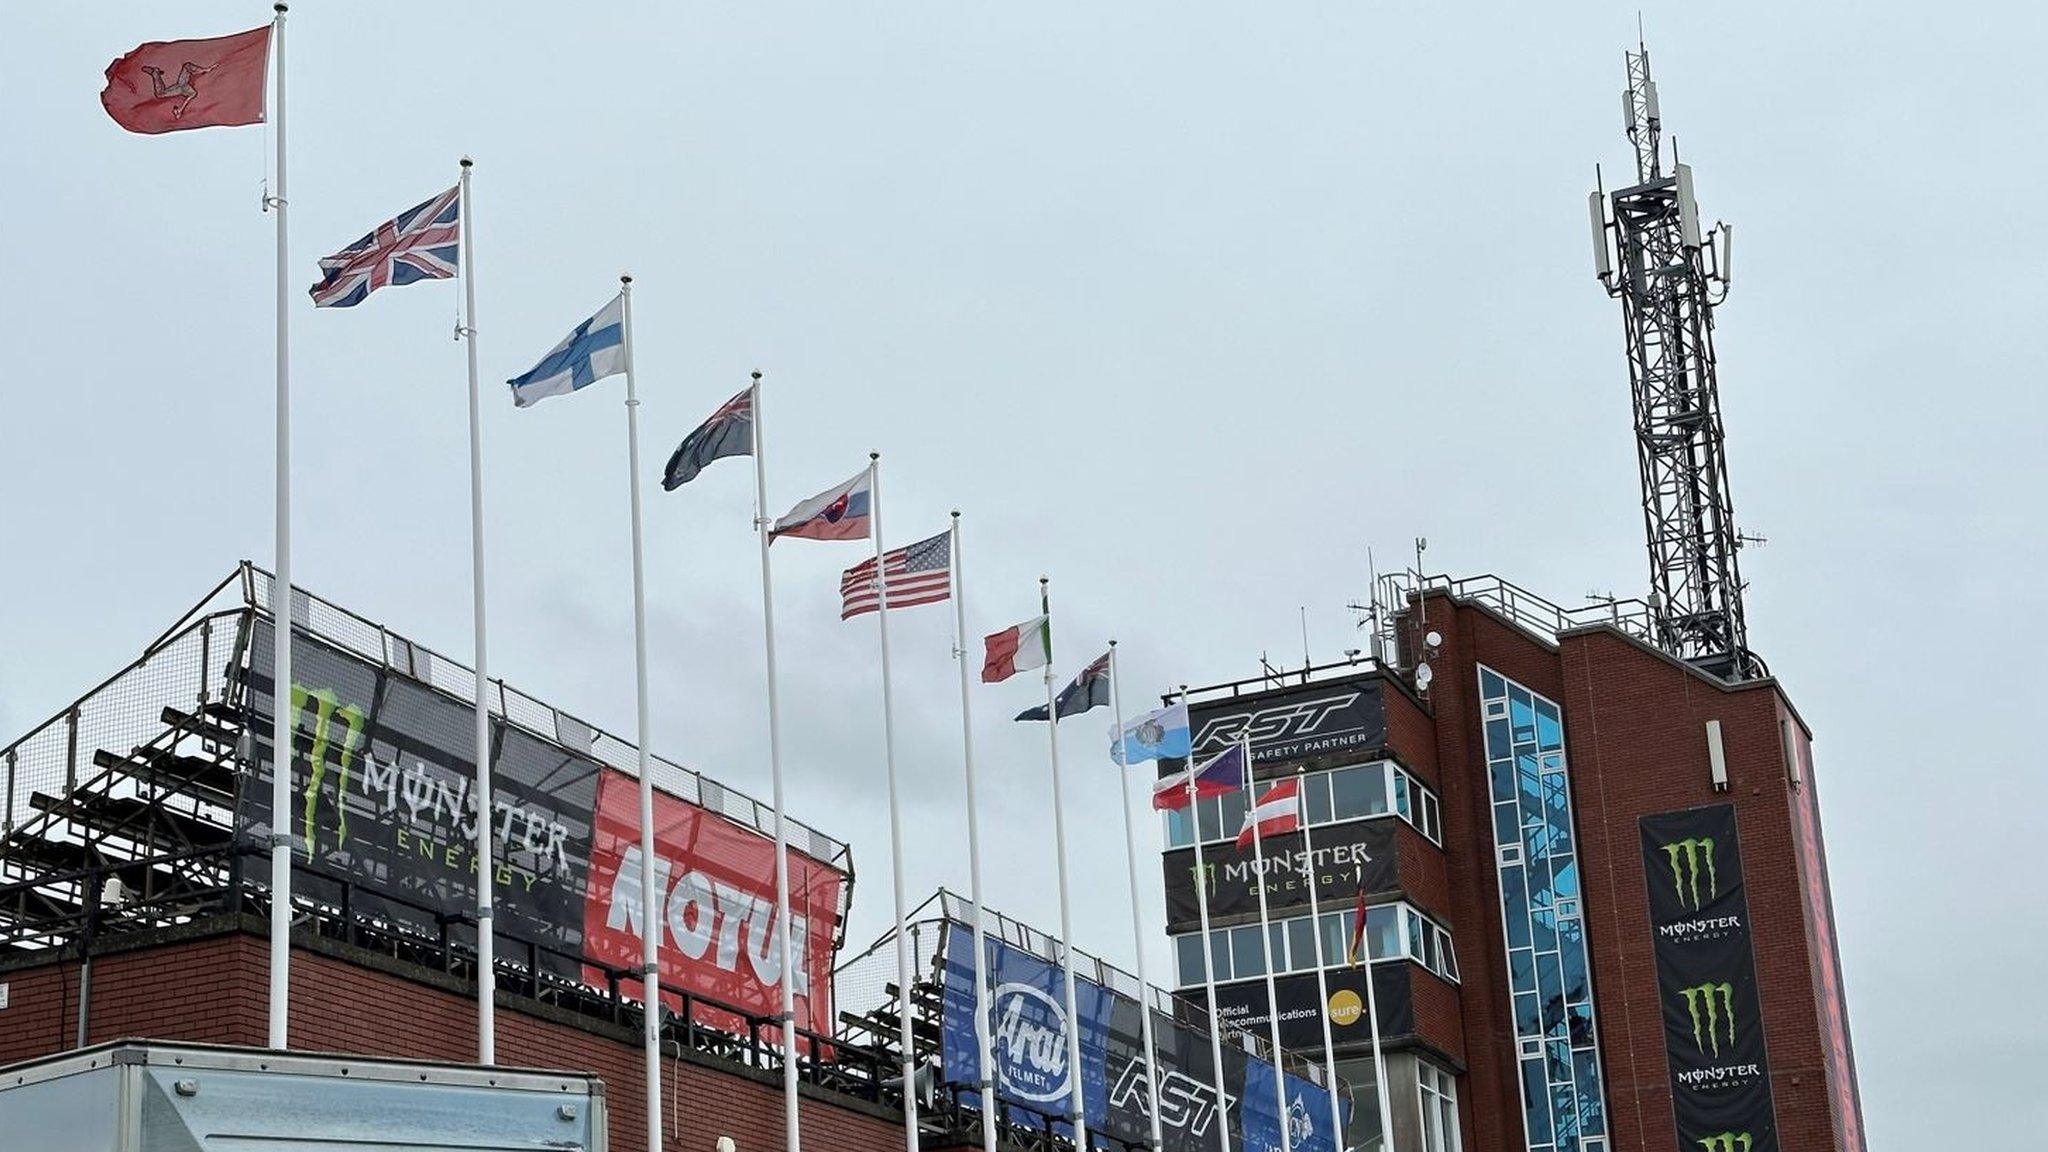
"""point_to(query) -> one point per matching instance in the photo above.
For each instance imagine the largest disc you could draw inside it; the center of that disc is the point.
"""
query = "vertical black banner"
(1706, 977)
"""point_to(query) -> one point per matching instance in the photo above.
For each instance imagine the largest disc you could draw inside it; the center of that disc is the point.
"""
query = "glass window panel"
(1542, 928)
(1579, 1025)
(1211, 827)
(1383, 931)
(1401, 796)
(1507, 823)
(1301, 944)
(1188, 951)
(1536, 1101)
(1586, 1080)
(1499, 742)
(1573, 962)
(1528, 1015)
(1432, 818)
(1522, 970)
(1521, 716)
(1247, 957)
(1336, 936)
(1316, 793)
(1219, 946)
(1514, 895)
(1178, 825)
(1565, 880)
(1278, 931)
(1412, 938)
(1549, 729)
(1490, 685)
(1548, 987)
(1564, 1109)
(1360, 790)
(1233, 806)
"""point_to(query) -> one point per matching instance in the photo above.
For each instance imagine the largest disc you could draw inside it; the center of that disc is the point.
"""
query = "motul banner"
(1348, 857)
(1706, 977)
(716, 884)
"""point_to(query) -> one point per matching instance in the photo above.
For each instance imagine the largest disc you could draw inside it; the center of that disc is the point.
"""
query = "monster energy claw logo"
(326, 711)
(1712, 1009)
(1686, 857)
(1726, 1142)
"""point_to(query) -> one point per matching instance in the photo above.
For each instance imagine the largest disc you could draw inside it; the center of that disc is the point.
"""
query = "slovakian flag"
(1090, 689)
(919, 573)
(835, 514)
(1018, 649)
(1356, 948)
(424, 242)
(172, 85)
(1220, 775)
(729, 432)
(1273, 814)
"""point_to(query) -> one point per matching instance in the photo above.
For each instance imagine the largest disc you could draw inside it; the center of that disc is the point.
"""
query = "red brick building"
(1503, 776)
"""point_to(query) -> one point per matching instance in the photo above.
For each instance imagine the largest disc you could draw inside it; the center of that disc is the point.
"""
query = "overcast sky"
(1187, 305)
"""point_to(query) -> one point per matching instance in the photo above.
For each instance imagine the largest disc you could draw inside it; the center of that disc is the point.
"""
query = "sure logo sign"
(1029, 1043)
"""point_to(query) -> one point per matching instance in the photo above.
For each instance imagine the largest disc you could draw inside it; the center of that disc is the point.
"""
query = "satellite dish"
(1423, 676)
(1434, 639)
(725, 1144)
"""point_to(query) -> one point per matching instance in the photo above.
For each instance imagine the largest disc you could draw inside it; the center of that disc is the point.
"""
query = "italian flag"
(1014, 650)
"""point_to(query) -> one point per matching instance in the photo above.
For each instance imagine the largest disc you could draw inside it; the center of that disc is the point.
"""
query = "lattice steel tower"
(1670, 280)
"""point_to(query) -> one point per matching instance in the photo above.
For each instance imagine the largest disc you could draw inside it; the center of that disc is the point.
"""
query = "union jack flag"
(423, 243)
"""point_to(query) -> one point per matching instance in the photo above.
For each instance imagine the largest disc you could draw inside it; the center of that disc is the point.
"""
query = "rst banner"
(383, 820)
(1328, 721)
(1348, 858)
(1706, 977)
(1028, 1042)
(716, 897)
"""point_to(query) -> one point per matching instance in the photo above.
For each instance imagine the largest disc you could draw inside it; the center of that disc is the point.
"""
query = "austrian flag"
(1275, 813)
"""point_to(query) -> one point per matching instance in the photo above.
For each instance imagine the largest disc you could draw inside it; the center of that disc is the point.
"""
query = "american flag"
(422, 243)
(919, 573)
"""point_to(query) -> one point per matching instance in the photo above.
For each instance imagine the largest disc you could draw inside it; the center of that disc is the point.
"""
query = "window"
(1436, 1097)
(1550, 990)
(1392, 931)
(1352, 792)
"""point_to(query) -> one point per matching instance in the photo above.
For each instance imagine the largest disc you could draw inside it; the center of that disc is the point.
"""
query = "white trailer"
(146, 1096)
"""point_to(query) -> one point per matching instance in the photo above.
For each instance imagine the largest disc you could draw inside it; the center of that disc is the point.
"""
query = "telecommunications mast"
(1670, 277)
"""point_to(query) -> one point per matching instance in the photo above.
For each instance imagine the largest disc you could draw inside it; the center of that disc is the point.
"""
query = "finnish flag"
(595, 350)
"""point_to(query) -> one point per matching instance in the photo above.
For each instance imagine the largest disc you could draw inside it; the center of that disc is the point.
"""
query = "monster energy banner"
(1348, 858)
(1034, 1080)
(1706, 976)
(381, 800)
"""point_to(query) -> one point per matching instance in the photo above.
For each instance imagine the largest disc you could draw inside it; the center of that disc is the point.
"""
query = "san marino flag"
(1160, 735)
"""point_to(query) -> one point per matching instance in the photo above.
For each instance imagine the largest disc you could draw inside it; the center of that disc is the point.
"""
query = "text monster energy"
(1687, 857)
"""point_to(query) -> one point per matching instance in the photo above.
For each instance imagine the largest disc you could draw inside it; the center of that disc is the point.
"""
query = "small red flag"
(1356, 949)
(171, 85)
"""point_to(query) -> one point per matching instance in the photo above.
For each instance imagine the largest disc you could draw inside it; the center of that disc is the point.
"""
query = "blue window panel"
(1499, 741)
(1565, 878)
(1522, 715)
(1549, 729)
(1502, 774)
(1505, 818)
(1514, 897)
(1536, 843)
(1579, 1021)
(1586, 1082)
(1573, 963)
(1528, 1017)
(1401, 796)
(1490, 686)
(1536, 1101)
(1564, 1110)
(1550, 983)
(1522, 973)
(1543, 932)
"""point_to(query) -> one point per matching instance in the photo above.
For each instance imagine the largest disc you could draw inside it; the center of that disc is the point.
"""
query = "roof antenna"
(1306, 663)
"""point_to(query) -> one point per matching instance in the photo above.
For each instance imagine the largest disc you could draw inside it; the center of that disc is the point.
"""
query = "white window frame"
(1425, 813)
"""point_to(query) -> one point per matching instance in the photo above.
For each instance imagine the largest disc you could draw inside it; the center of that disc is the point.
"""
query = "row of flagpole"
(420, 246)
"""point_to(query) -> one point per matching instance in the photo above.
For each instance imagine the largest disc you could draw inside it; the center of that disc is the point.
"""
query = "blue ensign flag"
(595, 350)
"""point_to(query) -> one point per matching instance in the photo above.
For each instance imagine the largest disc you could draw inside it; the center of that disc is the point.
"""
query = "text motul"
(710, 920)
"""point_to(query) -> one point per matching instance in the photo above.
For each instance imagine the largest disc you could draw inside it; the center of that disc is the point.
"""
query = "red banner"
(716, 901)
(168, 86)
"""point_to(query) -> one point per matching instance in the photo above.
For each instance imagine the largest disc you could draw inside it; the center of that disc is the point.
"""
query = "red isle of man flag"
(172, 85)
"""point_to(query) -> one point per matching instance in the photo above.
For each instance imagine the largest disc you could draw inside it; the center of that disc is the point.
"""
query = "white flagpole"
(1116, 706)
(762, 522)
(983, 1058)
(1315, 917)
(650, 899)
(1208, 950)
(1251, 796)
(486, 943)
(1379, 1059)
(281, 725)
(906, 1008)
(1076, 1102)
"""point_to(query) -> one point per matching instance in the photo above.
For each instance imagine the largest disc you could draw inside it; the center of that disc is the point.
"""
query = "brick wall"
(212, 989)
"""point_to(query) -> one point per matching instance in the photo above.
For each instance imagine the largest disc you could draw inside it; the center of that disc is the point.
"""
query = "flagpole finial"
(874, 456)
(956, 513)
(757, 375)
(467, 162)
(280, 9)
(625, 277)
(1112, 642)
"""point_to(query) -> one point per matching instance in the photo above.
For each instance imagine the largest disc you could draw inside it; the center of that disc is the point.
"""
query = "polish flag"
(1018, 649)
(1275, 813)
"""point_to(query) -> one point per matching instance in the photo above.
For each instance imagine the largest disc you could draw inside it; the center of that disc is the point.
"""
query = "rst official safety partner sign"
(382, 814)
(1329, 718)
(1706, 977)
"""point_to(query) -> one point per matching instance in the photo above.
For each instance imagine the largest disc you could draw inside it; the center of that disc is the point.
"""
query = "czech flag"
(1220, 775)
(1275, 813)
